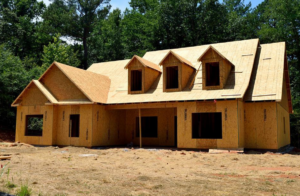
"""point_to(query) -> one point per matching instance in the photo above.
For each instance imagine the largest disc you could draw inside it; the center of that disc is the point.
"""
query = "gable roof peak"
(180, 58)
(144, 62)
(214, 49)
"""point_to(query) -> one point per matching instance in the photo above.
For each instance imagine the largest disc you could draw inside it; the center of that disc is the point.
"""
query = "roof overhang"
(180, 58)
(144, 62)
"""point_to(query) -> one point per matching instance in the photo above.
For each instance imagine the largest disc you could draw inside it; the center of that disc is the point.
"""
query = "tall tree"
(76, 19)
(19, 28)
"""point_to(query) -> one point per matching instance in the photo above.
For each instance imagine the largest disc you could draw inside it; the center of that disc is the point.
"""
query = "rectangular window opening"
(149, 127)
(207, 125)
(74, 125)
(212, 74)
(172, 77)
(34, 125)
(136, 80)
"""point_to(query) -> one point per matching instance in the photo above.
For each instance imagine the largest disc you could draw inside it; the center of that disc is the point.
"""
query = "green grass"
(24, 191)
(10, 185)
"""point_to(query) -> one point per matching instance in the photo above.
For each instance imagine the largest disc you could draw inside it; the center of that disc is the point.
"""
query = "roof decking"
(240, 53)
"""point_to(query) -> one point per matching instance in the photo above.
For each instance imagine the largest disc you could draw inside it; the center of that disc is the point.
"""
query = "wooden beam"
(141, 105)
(140, 127)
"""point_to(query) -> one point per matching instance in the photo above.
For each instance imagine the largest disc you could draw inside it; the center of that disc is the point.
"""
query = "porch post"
(140, 127)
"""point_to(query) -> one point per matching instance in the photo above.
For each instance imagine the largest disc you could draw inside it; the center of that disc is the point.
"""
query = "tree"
(13, 79)
(60, 52)
(106, 39)
(76, 19)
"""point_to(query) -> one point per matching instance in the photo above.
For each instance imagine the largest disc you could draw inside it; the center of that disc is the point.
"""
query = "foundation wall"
(261, 125)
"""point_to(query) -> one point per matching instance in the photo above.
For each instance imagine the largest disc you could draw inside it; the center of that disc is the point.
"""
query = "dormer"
(141, 75)
(176, 72)
(215, 69)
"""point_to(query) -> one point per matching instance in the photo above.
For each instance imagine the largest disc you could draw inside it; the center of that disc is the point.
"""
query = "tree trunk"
(85, 48)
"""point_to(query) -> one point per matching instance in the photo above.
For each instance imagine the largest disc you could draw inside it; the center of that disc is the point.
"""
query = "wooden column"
(140, 127)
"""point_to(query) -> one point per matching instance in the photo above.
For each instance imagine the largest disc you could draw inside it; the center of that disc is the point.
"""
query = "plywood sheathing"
(92, 85)
(165, 123)
(47, 112)
(144, 62)
(267, 77)
(261, 125)
(149, 75)
(85, 125)
(34, 94)
(211, 56)
(230, 130)
(109, 127)
(235, 87)
(180, 58)
(283, 128)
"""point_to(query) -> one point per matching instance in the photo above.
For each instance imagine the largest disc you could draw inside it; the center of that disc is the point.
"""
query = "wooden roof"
(40, 86)
(144, 62)
(94, 86)
(267, 76)
(240, 53)
(180, 58)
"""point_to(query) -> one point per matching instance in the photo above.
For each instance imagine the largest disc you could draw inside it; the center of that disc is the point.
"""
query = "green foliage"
(60, 52)
(35, 124)
(24, 191)
(13, 79)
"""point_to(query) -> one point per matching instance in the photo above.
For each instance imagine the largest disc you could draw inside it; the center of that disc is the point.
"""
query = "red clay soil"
(7, 135)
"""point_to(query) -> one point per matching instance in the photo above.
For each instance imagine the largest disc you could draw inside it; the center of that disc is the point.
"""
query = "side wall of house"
(230, 129)
(47, 112)
(241, 122)
(166, 126)
(62, 125)
(261, 125)
(108, 126)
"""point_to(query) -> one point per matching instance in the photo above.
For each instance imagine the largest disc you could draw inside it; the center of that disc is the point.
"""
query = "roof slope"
(240, 53)
(144, 62)
(267, 77)
(93, 85)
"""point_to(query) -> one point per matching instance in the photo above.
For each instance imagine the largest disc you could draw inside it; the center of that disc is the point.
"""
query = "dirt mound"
(7, 135)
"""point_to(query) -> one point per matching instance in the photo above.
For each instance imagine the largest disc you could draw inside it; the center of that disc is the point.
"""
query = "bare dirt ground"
(122, 171)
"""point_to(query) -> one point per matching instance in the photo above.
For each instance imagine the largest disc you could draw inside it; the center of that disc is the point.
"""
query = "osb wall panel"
(241, 124)
(85, 125)
(260, 125)
(150, 77)
(47, 112)
(284, 135)
(229, 124)
(166, 129)
(60, 86)
(108, 126)
(227, 69)
(187, 73)
(33, 96)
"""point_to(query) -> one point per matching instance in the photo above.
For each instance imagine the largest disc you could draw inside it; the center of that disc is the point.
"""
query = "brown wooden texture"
(47, 112)
(283, 128)
(261, 125)
(33, 96)
(60, 86)
(165, 119)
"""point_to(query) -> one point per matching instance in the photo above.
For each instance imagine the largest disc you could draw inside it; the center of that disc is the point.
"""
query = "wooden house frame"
(248, 108)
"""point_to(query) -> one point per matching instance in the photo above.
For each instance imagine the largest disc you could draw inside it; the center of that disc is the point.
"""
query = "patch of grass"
(24, 191)
(10, 185)
(290, 181)
(268, 183)
(60, 194)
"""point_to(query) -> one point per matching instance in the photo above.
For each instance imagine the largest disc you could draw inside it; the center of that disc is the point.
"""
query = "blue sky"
(122, 4)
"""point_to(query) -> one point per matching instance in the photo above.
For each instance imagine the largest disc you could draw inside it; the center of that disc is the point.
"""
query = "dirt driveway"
(123, 171)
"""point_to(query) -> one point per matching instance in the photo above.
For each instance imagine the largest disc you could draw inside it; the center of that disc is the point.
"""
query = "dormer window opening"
(212, 74)
(136, 80)
(172, 77)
